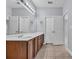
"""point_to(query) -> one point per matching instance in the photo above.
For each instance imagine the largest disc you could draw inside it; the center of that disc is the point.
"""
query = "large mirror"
(19, 24)
(20, 16)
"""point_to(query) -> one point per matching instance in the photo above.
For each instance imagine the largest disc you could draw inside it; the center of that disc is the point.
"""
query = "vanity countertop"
(23, 36)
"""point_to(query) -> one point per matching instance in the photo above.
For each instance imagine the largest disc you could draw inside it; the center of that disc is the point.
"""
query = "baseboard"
(58, 43)
(69, 51)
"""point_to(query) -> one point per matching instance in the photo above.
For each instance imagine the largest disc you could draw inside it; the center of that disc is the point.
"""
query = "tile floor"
(50, 51)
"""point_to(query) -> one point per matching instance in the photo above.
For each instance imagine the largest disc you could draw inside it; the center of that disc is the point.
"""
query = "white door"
(49, 29)
(54, 30)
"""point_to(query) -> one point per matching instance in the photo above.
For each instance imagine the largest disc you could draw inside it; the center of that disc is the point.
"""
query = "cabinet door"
(42, 39)
(21, 50)
(10, 50)
(33, 48)
(38, 42)
(16, 50)
(30, 49)
(36, 46)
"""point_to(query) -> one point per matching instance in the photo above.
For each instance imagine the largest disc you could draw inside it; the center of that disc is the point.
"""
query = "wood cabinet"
(36, 45)
(31, 49)
(40, 41)
(24, 49)
(16, 50)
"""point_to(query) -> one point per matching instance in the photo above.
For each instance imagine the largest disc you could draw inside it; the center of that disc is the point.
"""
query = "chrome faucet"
(20, 36)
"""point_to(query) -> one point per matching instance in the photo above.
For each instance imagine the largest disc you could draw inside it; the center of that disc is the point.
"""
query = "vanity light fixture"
(31, 22)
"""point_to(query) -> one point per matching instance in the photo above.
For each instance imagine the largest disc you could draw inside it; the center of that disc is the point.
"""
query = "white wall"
(67, 10)
(45, 12)
(42, 13)
(67, 5)
(8, 11)
(20, 12)
(49, 11)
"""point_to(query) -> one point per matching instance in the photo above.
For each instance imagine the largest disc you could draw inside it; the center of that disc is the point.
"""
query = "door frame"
(66, 19)
(45, 28)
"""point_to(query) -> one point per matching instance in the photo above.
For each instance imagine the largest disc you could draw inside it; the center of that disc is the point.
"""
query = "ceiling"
(44, 3)
(38, 3)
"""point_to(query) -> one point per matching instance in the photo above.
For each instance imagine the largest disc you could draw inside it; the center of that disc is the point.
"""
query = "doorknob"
(53, 31)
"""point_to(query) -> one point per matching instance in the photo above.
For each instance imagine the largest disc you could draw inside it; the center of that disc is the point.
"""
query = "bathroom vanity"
(24, 46)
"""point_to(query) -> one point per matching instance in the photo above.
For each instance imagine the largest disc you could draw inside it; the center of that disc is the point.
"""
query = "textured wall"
(42, 13)
(8, 11)
(45, 12)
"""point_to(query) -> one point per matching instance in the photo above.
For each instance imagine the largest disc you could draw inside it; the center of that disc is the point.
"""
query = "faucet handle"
(16, 31)
(21, 31)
